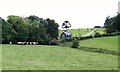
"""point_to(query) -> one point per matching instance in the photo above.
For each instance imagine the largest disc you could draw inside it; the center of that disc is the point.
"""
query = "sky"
(80, 13)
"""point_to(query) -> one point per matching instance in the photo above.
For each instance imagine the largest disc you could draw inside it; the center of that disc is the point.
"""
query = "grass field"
(76, 32)
(62, 57)
(109, 43)
(82, 31)
(100, 30)
(42, 57)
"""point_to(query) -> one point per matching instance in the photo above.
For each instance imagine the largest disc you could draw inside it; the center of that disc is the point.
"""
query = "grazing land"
(76, 32)
(82, 31)
(42, 57)
(109, 43)
(62, 57)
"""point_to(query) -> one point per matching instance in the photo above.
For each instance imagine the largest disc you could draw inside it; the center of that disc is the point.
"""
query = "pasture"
(77, 32)
(109, 43)
(42, 57)
(62, 57)
(82, 31)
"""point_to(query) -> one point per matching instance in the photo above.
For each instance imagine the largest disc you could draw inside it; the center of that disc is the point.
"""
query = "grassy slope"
(83, 31)
(100, 30)
(109, 43)
(76, 32)
(38, 57)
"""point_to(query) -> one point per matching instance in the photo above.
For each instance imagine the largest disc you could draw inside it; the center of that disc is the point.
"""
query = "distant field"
(42, 57)
(82, 31)
(77, 32)
(109, 43)
(100, 30)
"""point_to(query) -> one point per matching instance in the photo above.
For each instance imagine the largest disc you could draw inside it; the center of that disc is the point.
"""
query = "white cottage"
(66, 35)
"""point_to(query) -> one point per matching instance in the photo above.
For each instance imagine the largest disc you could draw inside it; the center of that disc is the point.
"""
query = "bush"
(75, 44)
(54, 42)
(66, 40)
(87, 37)
(97, 34)
(113, 34)
(118, 33)
(110, 34)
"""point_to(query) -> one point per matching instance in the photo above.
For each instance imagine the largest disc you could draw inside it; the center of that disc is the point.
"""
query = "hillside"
(82, 31)
(109, 43)
(41, 57)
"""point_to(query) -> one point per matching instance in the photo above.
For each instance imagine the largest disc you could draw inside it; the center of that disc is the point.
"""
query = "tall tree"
(37, 30)
(31, 28)
(52, 29)
(0, 30)
(66, 25)
(6, 31)
(112, 24)
(117, 22)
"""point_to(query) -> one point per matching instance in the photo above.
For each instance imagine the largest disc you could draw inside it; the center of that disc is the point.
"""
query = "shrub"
(66, 40)
(118, 33)
(62, 41)
(75, 44)
(97, 34)
(113, 34)
(73, 38)
(54, 42)
(110, 34)
(86, 37)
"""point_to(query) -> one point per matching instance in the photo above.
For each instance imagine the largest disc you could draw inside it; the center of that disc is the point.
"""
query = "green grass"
(82, 31)
(77, 32)
(42, 57)
(109, 43)
(100, 30)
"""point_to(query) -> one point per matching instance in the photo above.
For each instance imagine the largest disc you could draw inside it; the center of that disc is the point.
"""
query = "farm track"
(88, 34)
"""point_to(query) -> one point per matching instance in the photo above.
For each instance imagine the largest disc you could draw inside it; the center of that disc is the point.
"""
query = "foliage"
(66, 25)
(55, 42)
(112, 24)
(97, 27)
(97, 34)
(75, 44)
(52, 29)
(31, 28)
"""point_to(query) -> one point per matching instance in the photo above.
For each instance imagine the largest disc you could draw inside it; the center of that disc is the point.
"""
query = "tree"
(66, 24)
(52, 29)
(31, 28)
(0, 30)
(112, 24)
(19, 30)
(75, 44)
(117, 22)
(37, 30)
(6, 31)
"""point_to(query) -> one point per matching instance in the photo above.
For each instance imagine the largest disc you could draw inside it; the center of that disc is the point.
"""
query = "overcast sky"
(80, 13)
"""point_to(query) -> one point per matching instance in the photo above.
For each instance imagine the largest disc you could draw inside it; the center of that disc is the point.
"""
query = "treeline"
(28, 29)
(112, 24)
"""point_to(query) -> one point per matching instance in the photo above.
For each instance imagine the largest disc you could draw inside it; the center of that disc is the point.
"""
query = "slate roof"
(67, 33)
